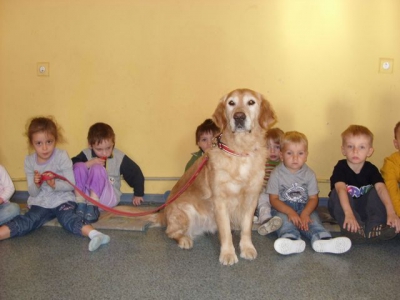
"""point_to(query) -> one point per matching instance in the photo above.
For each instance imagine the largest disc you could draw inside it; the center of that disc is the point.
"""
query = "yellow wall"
(155, 69)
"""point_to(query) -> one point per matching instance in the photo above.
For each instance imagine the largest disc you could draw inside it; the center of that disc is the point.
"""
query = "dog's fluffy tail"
(155, 219)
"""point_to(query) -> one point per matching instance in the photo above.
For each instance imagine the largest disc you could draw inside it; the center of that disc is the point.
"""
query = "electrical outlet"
(43, 69)
(386, 65)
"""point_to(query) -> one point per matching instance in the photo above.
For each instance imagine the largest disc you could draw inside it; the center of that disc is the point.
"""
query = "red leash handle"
(51, 175)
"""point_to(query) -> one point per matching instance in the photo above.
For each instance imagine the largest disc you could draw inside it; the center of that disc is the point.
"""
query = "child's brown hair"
(207, 126)
(357, 130)
(99, 132)
(44, 124)
(275, 134)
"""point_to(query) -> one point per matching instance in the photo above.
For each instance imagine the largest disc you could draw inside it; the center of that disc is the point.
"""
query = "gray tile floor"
(51, 263)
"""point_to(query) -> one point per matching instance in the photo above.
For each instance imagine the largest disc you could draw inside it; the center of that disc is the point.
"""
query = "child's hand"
(295, 219)
(137, 200)
(393, 221)
(350, 223)
(1, 200)
(305, 220)
(37, 178)
(49, 178)
(51, 183)
(95, 161)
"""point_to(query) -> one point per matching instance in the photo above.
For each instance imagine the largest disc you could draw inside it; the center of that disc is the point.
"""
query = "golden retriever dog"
(224, 195)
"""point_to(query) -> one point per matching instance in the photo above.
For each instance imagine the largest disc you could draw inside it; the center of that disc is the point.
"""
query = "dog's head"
(242, 109)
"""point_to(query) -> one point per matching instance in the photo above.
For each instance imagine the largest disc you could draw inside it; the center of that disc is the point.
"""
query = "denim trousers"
(316, 230)
(37, 216)
(8, 211)
(368, 209)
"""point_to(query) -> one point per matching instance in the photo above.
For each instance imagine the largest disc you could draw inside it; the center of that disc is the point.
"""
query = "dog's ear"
(219, 116)
(267, 116)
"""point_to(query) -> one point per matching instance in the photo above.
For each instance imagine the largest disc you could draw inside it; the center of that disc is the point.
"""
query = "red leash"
(51, 175)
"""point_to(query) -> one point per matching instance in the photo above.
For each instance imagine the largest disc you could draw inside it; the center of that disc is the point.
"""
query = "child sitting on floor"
(391, 172)
(98, 171)
(359, 200)
(52, 197)
(268, 223)
(293, 192)
(205, 133)
(8, 210)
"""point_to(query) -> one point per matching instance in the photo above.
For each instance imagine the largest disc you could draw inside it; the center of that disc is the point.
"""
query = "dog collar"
(225, 148)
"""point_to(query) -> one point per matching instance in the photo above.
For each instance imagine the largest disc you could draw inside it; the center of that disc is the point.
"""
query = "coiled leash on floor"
(48, 175)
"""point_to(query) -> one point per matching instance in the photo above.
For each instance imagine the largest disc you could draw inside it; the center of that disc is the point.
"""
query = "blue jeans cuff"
(320, 236)
(290, 236)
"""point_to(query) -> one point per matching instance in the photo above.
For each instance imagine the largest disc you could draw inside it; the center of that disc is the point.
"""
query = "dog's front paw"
(249, 253)
(185, 242)
(228, 259)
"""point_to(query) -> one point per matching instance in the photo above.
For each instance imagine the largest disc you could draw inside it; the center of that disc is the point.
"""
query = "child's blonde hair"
(275, 134)
(294, 137)
(357, 130)
(44, 124)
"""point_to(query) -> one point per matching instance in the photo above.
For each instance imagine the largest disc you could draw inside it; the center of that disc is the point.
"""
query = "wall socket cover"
(43, 69)
(386, 65)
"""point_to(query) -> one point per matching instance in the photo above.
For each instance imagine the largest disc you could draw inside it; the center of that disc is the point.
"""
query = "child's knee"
(79, 167)
(97, 172)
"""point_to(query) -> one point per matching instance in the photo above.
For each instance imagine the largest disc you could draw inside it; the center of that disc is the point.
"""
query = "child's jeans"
(37, 216)
(95, 179)
(8, 211)
(316, 230)
(368, 209)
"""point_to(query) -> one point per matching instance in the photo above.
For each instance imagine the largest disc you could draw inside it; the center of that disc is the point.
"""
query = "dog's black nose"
(239, 116)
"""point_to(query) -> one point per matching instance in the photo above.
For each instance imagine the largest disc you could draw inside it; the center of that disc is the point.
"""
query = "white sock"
(97, 239)
(93, 233)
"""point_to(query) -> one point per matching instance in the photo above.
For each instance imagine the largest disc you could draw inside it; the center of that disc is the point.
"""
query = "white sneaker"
(287, 246)
(270, 225)
(336, 245)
